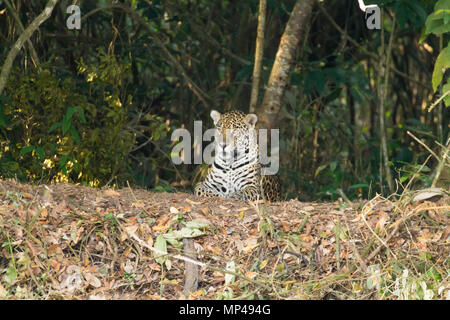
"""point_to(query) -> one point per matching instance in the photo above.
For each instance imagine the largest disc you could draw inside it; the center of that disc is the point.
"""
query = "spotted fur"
(236, 171)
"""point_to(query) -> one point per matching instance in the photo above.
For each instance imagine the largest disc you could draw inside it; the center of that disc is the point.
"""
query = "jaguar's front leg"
(203, 191)
(249, 193)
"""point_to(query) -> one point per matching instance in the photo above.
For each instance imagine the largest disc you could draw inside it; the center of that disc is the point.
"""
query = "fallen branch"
(187, 259)
(191, 276)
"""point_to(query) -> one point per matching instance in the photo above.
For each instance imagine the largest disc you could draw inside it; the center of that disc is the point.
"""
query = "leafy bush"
(66, 129)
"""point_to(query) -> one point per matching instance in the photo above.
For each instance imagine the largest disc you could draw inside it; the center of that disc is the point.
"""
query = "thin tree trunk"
(352, 151)
(383, 89)
(315, 123)
(442, 163)
(258, 55)
(269, 109)
(45, 14)
(440, 131)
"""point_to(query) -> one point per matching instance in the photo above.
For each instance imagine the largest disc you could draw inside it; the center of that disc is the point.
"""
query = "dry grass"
(71, 242)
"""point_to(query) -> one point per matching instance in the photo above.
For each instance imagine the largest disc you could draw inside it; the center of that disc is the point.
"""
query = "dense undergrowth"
(103, 114)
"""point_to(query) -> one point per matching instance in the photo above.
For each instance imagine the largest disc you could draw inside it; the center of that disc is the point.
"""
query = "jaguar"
(236, 170)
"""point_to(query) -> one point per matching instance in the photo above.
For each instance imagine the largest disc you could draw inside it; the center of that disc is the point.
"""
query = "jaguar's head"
(235, 135)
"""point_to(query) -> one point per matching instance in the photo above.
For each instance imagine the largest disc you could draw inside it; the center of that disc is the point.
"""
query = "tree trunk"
(383, 89)
(24, 37)
(269, 109)
(258, 55)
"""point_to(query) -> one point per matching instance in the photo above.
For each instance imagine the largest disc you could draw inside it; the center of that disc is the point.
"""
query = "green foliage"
(438, 23)
(410, 12)
(442, 63)
(86, 141)
(102, 105)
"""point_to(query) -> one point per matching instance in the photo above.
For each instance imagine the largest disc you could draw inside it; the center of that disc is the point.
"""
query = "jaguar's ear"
(251, 119)
(215, 115)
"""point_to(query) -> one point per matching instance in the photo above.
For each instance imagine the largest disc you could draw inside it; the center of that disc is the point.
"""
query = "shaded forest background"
(98, 105)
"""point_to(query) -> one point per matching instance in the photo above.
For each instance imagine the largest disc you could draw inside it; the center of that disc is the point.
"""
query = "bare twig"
(439, 100)
(423, 144)
(416, 174)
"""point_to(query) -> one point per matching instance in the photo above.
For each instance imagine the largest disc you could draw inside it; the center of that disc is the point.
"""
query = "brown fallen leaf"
(55, 264)
(79, 235)
(286, 226)
(132, 220)
(383, 218)
(139, 204)
(195, 294)
(44, 215)
(150, 241)
(160, 228)
(251, 275)
(27, 195)
(153, 296)
(126, 252)
(162, 220)
(34, 248)
(3, 292)
(55, 250)
(111, 193)
(129, 230)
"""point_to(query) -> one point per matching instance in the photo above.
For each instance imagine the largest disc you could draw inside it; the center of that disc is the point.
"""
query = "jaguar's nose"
(222, 145)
